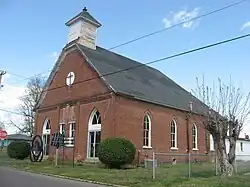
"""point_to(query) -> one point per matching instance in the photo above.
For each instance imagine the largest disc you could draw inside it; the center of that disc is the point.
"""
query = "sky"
(33, 34)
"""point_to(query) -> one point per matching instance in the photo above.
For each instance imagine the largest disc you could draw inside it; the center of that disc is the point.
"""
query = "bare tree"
(229, 108)
(1, 125)
(32, 94)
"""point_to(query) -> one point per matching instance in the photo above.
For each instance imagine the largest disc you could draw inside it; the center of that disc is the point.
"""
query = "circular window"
(70, 78)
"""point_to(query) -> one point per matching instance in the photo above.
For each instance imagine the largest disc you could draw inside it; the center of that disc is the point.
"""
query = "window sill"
(174, 148)
(195, 149)
(69, 145)
(147, 147)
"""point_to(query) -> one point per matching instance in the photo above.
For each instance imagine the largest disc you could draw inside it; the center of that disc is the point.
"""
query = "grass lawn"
(177, 175)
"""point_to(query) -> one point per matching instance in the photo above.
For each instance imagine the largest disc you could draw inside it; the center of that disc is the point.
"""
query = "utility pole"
(2, 73)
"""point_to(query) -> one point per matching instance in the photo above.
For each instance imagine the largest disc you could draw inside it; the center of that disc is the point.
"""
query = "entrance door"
(46, 144)
(94, 141)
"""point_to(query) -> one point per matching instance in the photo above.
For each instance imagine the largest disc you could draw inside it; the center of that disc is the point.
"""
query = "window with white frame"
(72, 129)
(194, 137)
(173, 130)
(62, 128)
(211, 143)
(241, 146)
(96, 118)
(147, 131)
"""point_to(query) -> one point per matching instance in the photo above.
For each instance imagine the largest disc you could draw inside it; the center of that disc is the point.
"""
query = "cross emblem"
(70, 78)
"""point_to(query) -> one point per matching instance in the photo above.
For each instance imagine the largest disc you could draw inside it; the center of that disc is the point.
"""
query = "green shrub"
(116, 152)
(18, 150)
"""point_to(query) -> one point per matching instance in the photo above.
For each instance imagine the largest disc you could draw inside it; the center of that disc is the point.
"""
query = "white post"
(153, 165)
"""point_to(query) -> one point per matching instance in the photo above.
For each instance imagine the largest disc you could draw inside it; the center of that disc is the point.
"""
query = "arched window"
(46, 136)
(194, 137)
(173, 134)
(96, 118)
(46, 127)
(147, 131)
(94, 133)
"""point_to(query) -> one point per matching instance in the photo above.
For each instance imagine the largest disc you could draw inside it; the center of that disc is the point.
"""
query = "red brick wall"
(74, 62)
(83, 93)
(130, 124)
(120, 116)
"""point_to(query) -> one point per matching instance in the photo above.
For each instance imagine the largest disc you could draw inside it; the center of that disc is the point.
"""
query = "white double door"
(94, 139)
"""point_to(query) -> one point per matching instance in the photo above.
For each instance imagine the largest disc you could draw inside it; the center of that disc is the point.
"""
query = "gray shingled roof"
(143, 83)
(19, 137)
(85, 15)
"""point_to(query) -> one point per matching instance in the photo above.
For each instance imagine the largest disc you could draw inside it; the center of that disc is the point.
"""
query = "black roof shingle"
(143, 83)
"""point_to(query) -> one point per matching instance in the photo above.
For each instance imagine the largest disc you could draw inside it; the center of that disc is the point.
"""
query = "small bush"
(116, 152)
(18, 150)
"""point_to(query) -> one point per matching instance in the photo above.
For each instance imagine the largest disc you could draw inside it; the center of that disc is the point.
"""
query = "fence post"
(153, 165)
(189, 164)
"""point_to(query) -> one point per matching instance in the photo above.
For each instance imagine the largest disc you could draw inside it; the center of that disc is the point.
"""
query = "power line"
(27, 78)
(151, 62)
(178, 24)
(153, 33)
(161, 59)
(12, 112)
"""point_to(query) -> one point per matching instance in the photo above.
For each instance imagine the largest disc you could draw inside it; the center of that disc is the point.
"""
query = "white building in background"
(242, 148)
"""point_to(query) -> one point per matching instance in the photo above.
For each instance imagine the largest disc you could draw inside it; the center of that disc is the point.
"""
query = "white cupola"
(84, 28)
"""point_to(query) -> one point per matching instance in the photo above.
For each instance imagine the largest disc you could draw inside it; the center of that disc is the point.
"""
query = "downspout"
(187, 131)
(188, 116)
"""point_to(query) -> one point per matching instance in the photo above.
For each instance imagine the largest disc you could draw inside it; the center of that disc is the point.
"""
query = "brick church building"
(93, 93)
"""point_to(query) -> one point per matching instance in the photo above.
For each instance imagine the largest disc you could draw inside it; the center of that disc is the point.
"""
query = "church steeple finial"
(84, 28)
(85, 9)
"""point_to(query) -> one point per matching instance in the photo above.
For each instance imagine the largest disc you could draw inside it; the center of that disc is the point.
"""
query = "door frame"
(89, 144)
(92, 128)
(45, 143)
(45, 132)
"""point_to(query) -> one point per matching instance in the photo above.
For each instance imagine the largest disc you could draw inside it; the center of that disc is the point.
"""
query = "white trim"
(149, 132)
(211, 143)
(70, 129)
(92, 128)
(147, 147)
(175, 134)
(194, 127)
(60, 127)
(195, 149)
(174, 148)
(46, 131)
(45, 134)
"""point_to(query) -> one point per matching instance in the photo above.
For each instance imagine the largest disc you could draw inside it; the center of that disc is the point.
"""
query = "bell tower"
(84, 28)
